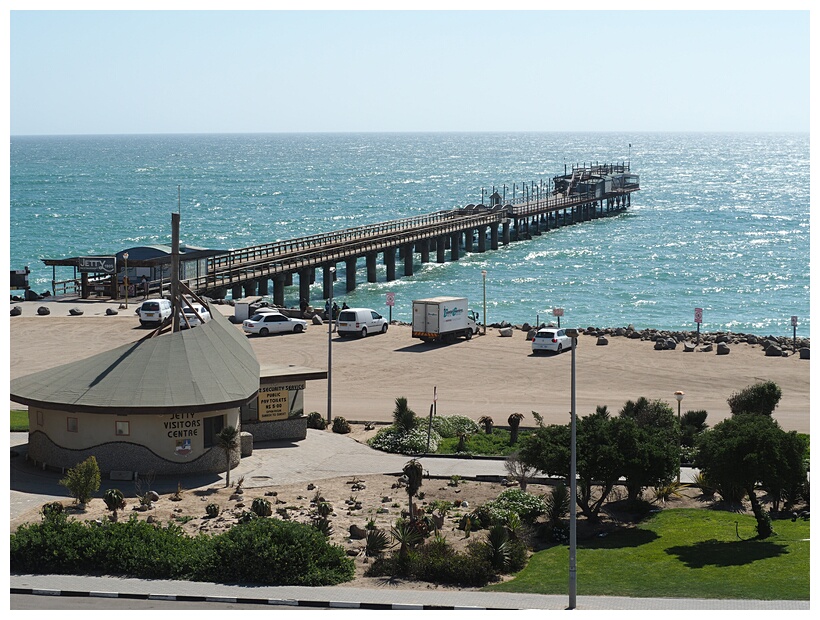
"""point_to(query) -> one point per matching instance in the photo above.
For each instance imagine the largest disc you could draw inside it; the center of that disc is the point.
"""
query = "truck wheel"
(384, 328)
(468, 334)
(364, 332)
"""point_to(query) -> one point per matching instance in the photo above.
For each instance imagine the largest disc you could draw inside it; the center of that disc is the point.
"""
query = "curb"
(245, 601)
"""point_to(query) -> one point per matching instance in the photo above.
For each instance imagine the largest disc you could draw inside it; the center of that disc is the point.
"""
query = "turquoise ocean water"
(721, 221)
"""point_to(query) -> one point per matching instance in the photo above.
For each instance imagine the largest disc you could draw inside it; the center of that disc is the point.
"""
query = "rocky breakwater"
(707, 342)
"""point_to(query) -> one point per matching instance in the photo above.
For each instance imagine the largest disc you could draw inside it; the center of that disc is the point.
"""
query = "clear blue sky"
(153, 71)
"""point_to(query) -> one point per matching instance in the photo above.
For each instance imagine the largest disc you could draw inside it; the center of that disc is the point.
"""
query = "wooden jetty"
(583, 193)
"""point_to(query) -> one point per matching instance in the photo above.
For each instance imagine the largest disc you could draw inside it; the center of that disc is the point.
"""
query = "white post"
(332, 271)
(484, 279)
(573, 485)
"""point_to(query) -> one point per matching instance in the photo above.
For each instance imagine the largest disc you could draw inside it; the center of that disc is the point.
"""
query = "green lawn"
(495, 444)
(689, 553)
(19, 420)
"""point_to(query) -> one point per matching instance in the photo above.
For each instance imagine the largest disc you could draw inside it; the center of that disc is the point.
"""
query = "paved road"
(321, 455)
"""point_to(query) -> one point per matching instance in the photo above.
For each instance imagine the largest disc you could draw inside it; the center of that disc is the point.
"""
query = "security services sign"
(280, 401)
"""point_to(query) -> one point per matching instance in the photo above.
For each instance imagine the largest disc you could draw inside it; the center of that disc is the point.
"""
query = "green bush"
(274, 552)
(212, 510)
(340, 425)
(453, 425)
(526, 505)
(83, 480)
(265, 551)
(396, 441)
(315, 420)
(761, 398)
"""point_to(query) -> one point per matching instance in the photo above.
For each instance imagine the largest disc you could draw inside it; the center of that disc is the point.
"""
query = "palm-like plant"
(414, 473)
(406, 536)
(404, 418)
(228, 441)
(487, 422)
(514, 421)
(114, 501)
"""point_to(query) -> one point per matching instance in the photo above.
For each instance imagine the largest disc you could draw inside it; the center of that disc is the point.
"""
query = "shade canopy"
(206, 368)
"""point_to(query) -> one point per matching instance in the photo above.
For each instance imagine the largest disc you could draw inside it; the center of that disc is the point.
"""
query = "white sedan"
(273, 323)
(550, 339)
(191, 316)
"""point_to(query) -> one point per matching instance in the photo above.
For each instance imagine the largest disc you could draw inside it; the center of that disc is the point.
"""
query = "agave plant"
(261, 507)
(114, 501)
(375, 543)
(212, 510)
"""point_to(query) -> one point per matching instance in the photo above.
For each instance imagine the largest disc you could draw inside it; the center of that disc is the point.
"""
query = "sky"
(359, 70)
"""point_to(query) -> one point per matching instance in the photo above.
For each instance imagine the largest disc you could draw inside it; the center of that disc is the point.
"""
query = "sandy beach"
(489, 375)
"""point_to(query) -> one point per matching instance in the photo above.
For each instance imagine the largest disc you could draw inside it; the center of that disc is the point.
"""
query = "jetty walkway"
(583, 193)
(586, 192)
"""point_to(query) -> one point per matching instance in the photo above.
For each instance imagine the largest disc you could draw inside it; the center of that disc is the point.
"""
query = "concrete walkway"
(320, 455)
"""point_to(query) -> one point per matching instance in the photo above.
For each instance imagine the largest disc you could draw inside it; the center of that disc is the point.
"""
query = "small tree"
(761, 398)
(404, 418)
(692, 424)
(518, 470)
(228, 441)
(83, 480)
(514, 421)
(414, 473)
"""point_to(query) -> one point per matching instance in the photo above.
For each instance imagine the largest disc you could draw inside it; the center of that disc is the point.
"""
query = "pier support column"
(408, 259)
(440, 246)
(494, 236)
(249, 288)
(536, 226)
(454, 246)
(468, 240)
(424, 250)
(350, 274)
(370, 259)
(505, 233)
(390, 262)
(279, 290)
(263, 286)
(236, 291)
(327, 281)
(482, 238)
(304, 283)
(289, 279)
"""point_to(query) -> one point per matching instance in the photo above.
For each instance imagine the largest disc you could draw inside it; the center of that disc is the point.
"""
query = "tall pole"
(175, 306)
(484, 280)
(573, 486)
(125, 279)
(332, 271)
(679, 396)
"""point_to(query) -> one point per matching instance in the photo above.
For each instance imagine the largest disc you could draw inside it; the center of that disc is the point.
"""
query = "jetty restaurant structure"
(585, 192)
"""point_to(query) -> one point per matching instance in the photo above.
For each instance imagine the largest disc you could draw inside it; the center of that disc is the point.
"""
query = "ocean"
(721, 221)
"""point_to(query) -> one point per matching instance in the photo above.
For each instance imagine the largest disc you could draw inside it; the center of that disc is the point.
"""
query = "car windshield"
(347, 316)
(545, 335)
(257, 317)
(151, 306)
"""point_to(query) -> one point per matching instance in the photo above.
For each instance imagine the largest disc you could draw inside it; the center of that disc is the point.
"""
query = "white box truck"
(443, 319)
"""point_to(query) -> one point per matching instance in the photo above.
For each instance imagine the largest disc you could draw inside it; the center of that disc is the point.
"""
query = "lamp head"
(571, 332)
(679, 395)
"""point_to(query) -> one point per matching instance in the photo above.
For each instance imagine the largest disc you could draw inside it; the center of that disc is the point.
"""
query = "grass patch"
(689, 553)
(495, 444)
(19, 421)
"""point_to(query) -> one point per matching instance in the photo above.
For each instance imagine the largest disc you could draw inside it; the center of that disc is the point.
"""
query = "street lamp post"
(679, 397)
(484, 281)
(332, 271)
(125, 278)
(572, 333)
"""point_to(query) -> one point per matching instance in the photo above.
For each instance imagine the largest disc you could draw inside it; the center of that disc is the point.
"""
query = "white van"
(361, 321)
(153, 311)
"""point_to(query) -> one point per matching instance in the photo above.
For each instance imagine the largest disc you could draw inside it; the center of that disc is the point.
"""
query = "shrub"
(526, 505)
(376, 543)
(275, 552)
(340, 425)
(315, 420)
(759, 398)
(212, 510)
(83, 480)
(454, 425)
(261, 507)
(396, 441)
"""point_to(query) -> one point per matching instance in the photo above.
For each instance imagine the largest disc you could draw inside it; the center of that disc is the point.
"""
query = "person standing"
(144, 283)
(303, 306)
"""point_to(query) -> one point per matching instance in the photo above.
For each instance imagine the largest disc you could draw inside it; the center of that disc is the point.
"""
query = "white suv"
(153, 311)
(361, 321)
